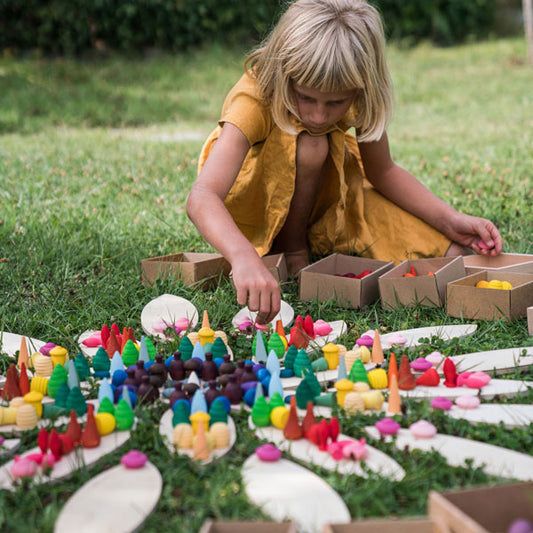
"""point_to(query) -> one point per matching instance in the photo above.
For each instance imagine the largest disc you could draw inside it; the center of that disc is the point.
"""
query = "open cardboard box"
(428, 290)
(319, 280)
(210, 526)
(477, 263)
(277, 265)
(201, 269)
(483, 510)
(465, 300)
(422, 525)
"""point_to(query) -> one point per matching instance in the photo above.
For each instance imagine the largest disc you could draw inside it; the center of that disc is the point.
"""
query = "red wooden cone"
(104, 334)
(309, 419)
(430, 378)
(11, 386)
(74, 428)
(334, 428)
(450, 373)
(299, 337)
(24, 382)
(309, 326)
(292, 429)
(54, 444)
(112, 344)
(406, 380)
(131, 335)
(90, 438)
(42, 440)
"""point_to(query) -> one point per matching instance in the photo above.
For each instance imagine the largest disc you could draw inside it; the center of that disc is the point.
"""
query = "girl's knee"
(311, 151)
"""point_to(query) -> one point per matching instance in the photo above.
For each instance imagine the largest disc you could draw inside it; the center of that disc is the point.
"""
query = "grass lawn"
(96, 160)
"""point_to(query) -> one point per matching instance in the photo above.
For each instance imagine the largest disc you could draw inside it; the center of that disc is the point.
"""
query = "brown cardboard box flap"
(403, 525)
(482, 510)
(210, 526)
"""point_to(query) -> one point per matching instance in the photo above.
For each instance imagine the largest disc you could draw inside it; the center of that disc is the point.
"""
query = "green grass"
(96, 159)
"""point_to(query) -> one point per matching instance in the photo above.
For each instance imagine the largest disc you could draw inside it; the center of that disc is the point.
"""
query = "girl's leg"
(457, 249)
(311, 155)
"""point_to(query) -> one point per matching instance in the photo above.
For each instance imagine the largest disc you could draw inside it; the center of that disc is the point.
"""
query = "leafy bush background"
(71, 27)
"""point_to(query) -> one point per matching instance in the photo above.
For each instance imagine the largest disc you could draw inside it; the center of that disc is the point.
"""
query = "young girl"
(281, 173)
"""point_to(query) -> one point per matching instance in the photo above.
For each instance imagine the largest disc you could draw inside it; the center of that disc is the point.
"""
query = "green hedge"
(73, 26)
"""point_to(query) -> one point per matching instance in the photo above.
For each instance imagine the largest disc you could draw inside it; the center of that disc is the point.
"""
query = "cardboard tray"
(422, 525)
(482, 510)
(465, 300)
(477, 263)
(210, 526)
(430, 291)
(199, 269)
(318, 281)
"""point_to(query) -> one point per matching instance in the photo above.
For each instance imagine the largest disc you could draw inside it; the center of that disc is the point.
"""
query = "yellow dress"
(349, 216)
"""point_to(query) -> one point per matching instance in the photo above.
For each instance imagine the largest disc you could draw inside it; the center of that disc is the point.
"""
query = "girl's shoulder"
(244, 107)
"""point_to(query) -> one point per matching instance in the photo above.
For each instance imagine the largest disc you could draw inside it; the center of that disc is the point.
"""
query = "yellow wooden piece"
(8, 416)
(58, 355)
(343, 386)
(373, 400)
(35, 398)
(353, 403)
(26, 416)
(206, 335)
(221, 434)
(183, 435)
(198, 417)
(43, 366)
(279, 416)
(483, 284)
(495, 284)
(331, 354)
(378, 378)
(361, 386)
(365, 355)
(39, 384)
(506, 286)
(105, 422)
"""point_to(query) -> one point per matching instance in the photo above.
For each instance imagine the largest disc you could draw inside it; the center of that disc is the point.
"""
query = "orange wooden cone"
(125, 337)
(23, 353)
(406, 380)
(200, 449)
(292, 429)
(395, 401)
(24, 382)
(112, 344)
(299, 337)
(90, 437)
(205, 320)
(279, 328)
(393, 367)
(377, 350)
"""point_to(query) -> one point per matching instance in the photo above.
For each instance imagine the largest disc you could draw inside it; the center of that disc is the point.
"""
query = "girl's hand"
(477, 233)
(257, 287)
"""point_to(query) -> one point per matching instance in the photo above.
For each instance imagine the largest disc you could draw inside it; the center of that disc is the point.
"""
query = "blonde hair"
(331, 46)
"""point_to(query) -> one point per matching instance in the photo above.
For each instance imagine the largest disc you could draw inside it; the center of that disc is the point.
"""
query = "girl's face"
(320, 110)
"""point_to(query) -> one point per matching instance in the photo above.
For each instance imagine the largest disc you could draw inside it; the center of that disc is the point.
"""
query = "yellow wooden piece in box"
(8, 416)
(373, 400)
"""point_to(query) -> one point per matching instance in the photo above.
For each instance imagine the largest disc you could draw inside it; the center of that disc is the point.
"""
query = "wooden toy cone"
(200, 448)
(23, 353)
(74, 428)
(90, 437)
(292, 429)
(309, 419)
(406, 380)
(131, 335)
(205, 320)
(395, 401)
(104, 334)
(279, 328)
(377, 350)
(112, 344)
(393, 367)
(125, 337)
(24, 382)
